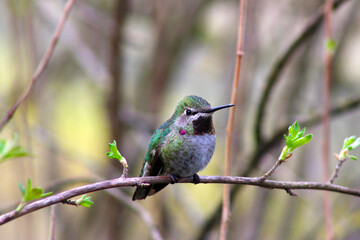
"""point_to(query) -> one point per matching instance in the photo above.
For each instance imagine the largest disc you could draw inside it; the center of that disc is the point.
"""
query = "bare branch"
(328, 10)
(291, 193)
(118, 195)
(132, 182)
(42, 65)
(229, 130)
(335, 174)
(271, 171)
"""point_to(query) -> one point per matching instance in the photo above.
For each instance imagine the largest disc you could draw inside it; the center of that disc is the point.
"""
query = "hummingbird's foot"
(196, 179)
(174, 179)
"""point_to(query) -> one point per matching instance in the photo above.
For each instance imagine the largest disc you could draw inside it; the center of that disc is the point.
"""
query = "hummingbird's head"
(194, 114)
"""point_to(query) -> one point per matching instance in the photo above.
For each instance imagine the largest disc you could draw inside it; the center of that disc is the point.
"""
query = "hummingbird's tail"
(142, 192)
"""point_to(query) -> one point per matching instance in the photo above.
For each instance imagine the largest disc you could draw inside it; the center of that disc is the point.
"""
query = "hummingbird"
(180, 147)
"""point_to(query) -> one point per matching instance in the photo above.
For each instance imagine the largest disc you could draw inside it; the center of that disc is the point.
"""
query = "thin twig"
(135, 181)
(273, 141)
(325, 118)
(271, 170)
(226, 194)
(119, 196)
(335, 174)
(42, 64)
(70, 202)
(52, 222)
(326, 88)
(115, 67)
(291, 193)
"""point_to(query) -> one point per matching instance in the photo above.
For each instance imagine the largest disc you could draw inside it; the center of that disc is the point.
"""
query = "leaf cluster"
(84, 201)
(114, 153)
(11, 149)
(29, 193)
(294, 139)
(350, 143)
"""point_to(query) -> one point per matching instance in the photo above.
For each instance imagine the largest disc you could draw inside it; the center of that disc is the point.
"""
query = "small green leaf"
(301, 141)
(84, 201)
(36, 192)
(294, 129)
(28, 186)
(46, 194)
(286, 137)
(2, 145)
(22, 189)
(299, 134)
(289, 143)
(352, 157)
(29, 193)
(294, 140)
(11, 149)
(16, 152)
(348, 141)
(114, 153)
(354, 144)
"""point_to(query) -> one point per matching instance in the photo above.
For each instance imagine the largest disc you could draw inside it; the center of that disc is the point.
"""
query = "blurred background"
(118, 71)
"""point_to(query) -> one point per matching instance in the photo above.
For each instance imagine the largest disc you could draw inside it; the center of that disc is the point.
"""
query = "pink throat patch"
(182, 131)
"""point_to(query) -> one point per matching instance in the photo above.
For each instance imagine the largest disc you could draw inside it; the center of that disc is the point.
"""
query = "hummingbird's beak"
(211, 110)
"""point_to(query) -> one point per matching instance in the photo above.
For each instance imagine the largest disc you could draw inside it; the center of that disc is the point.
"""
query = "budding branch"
(132, 182)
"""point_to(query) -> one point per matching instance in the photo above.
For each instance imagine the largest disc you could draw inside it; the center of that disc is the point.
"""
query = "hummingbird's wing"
(153, 165)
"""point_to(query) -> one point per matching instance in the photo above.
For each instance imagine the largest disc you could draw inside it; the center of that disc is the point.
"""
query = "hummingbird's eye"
(188, 112)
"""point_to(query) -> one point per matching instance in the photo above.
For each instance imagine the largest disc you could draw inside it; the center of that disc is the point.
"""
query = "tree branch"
(132, 182)
(270, 143)
(120, 196)
(271, 170)
(42, 65)
(336, 171)
(328, 11)
(117, 195)
(225, 217)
